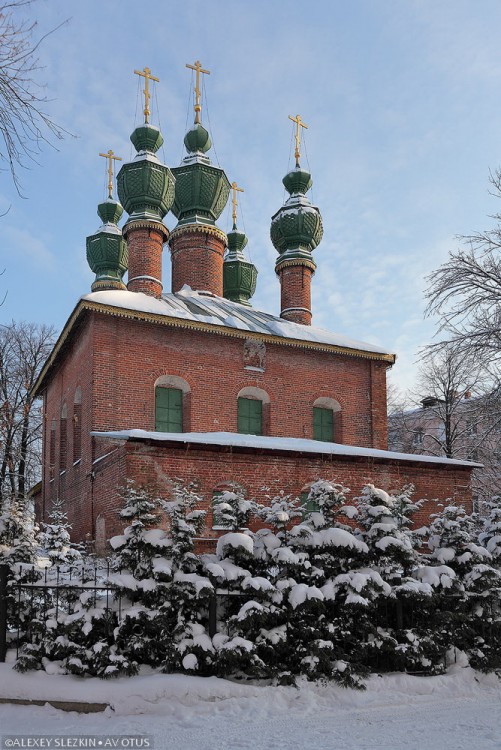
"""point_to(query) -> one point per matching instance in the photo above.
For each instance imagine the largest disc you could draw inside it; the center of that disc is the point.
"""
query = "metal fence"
(57, 589)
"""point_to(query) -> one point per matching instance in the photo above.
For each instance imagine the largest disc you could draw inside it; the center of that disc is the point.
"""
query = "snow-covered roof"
(265, 442)
(207, 309)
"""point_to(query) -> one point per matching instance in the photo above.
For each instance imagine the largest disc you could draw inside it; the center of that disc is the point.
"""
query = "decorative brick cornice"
(280, 264)
(157, 226)
(198, 229)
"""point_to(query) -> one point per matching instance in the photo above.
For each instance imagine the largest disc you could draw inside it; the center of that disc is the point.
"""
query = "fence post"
(400, 615)
(212, 615)
(3, 611)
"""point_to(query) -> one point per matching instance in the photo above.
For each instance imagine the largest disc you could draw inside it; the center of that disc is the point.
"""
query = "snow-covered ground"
(459, 710)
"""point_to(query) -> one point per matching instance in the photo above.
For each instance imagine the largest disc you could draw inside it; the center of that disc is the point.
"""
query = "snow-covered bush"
(55, 537)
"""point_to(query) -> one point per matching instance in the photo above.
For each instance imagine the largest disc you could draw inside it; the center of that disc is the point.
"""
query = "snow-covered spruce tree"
(318, 630)
(338, 561)
(190, 590)
(80, 638)
(468, 614)
(488, 608)
(490, 535)
(41, 648)
(232, 510)
(246, 593)
(399, 636)
(55, 537)
(253, 564)
(91, 639)
(142, 573)
(18, 552)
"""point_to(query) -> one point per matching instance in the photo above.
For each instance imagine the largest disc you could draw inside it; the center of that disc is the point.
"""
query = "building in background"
(462, 427)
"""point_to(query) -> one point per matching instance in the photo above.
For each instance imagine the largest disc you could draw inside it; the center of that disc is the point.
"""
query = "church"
(195, 385)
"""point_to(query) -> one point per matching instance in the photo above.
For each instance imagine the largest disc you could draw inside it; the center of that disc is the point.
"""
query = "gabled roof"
(207, 312)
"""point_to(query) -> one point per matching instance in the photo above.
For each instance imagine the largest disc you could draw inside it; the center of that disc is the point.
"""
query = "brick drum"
(145, 243)
(295, 293)
(197, 258)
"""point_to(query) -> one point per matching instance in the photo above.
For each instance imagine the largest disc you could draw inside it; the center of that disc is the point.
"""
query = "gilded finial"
(111, 157)
(234, 201)
(299, 124)
(197, 67)
(146, 74)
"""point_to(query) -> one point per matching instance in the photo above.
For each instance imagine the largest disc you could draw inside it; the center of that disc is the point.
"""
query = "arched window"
(252, 411)
(63, 438)
(77, 425)
(327, 420)
(171, 404)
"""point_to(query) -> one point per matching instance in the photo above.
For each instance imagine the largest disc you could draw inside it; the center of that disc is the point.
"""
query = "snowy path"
(459, 711)
(453, 726)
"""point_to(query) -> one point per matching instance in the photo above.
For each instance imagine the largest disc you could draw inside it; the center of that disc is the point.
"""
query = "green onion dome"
(145, 185)
(107, 250)
(239, 275)
(197, 140)
(296, 228)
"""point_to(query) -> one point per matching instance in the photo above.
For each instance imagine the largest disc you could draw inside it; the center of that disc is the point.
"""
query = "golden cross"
(146, 74)
(198, 68)
(235, 188)
(299, 124)
(110, 156)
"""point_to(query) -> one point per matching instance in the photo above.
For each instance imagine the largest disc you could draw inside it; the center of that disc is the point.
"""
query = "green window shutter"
(168, 410)
(323, 424)
(250, 416)
(308, 506)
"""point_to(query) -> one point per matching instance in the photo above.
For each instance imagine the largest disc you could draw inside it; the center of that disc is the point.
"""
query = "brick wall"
(266, 472)
(115, 361)
(129, 356)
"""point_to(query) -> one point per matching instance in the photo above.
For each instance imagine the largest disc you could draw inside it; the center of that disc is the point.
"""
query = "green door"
(323, 424)
(250, 416)
(168, 410)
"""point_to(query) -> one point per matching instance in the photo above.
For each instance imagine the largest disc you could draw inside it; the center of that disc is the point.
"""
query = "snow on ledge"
(296, 445)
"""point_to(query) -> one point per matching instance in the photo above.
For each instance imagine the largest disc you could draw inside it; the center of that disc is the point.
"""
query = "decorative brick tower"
(296, 230)
(197, 245)
(239, 276)
(107, 249)
(146, 189)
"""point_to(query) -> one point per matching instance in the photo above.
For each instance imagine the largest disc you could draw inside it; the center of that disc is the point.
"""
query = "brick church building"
(195, 384)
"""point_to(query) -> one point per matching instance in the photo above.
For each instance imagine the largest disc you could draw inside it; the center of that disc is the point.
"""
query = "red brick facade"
(111, 360)
(262, 472)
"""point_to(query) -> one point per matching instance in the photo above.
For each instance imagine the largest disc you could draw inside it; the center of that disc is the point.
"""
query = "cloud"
(21, 244)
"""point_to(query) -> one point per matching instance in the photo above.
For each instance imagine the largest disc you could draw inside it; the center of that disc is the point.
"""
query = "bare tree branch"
(466, 292)
(24, 125)
(24, 348)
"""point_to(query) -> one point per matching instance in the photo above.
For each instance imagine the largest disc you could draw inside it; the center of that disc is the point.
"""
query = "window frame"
(323, 411)
(245, 401)
(162, 390)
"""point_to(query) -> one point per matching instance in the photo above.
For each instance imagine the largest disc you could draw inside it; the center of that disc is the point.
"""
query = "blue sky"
(403, 106)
